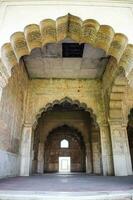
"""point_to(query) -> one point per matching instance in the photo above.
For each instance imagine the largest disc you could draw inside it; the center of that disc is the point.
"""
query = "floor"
(67, 183)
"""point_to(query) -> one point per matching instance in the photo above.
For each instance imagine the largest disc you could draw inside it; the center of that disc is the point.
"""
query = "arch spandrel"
(69, 26)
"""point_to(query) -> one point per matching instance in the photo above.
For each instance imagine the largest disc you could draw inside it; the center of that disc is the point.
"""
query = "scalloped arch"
(49, 31)
(72, 125)
(74, 128)
(78, 103)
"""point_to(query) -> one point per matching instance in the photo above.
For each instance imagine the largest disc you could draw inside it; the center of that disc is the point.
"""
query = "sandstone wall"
(11, 121)
(78, 120)
(43, 92)
(54, 151)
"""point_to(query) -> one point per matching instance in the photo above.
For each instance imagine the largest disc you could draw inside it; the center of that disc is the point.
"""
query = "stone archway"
(118, 53)
(79, 116)
(76, 103)
(75, 149)
(117, 94)
(88, 31)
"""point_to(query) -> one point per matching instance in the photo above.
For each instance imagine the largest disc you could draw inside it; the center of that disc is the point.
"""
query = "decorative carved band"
(69, 26)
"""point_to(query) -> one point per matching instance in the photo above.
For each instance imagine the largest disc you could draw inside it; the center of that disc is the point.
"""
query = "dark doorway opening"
(130, 134)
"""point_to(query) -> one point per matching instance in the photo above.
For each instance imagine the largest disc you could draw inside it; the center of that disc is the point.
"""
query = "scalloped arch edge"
(88, 31)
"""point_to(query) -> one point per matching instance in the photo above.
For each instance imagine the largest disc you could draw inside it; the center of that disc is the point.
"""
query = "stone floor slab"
(66, 187)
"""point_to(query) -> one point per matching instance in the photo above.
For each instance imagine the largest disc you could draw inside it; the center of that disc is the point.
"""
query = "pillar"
(25, 153)
(88, 158)
(106, 151)
(120, 148)
(40, 164)
(96, 152)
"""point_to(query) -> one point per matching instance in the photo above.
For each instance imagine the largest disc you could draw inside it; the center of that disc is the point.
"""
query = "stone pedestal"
(106, 151)
(25, 163)
(120, 148)
(40, 164)
(88, 158)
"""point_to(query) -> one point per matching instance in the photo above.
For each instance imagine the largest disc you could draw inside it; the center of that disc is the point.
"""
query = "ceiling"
(52, 62)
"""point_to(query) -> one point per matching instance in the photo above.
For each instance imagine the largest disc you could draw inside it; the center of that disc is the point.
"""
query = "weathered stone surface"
(9, 164)
(109, 99)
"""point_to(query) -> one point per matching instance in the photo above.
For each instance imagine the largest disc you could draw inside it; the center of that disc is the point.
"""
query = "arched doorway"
(39, 44)
(64, 142)
(71, 122)
(130, 134)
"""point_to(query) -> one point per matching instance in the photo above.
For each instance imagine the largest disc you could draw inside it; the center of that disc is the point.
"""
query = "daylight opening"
(64, 144)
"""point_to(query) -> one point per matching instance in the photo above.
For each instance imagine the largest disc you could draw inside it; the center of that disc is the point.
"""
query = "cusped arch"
(69, 124)
(49, 106)
(76, 132)
(49, 31)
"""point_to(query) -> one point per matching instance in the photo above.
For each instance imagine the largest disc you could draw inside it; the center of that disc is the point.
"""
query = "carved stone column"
(25, 153)
(88, 158)
(106, 152)
(120, 148)
(40, 164)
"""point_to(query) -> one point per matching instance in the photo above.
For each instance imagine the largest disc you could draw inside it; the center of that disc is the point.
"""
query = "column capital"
(103, 124)
(115, 121)
(118, 123)
(87, 143)
(27, 125)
